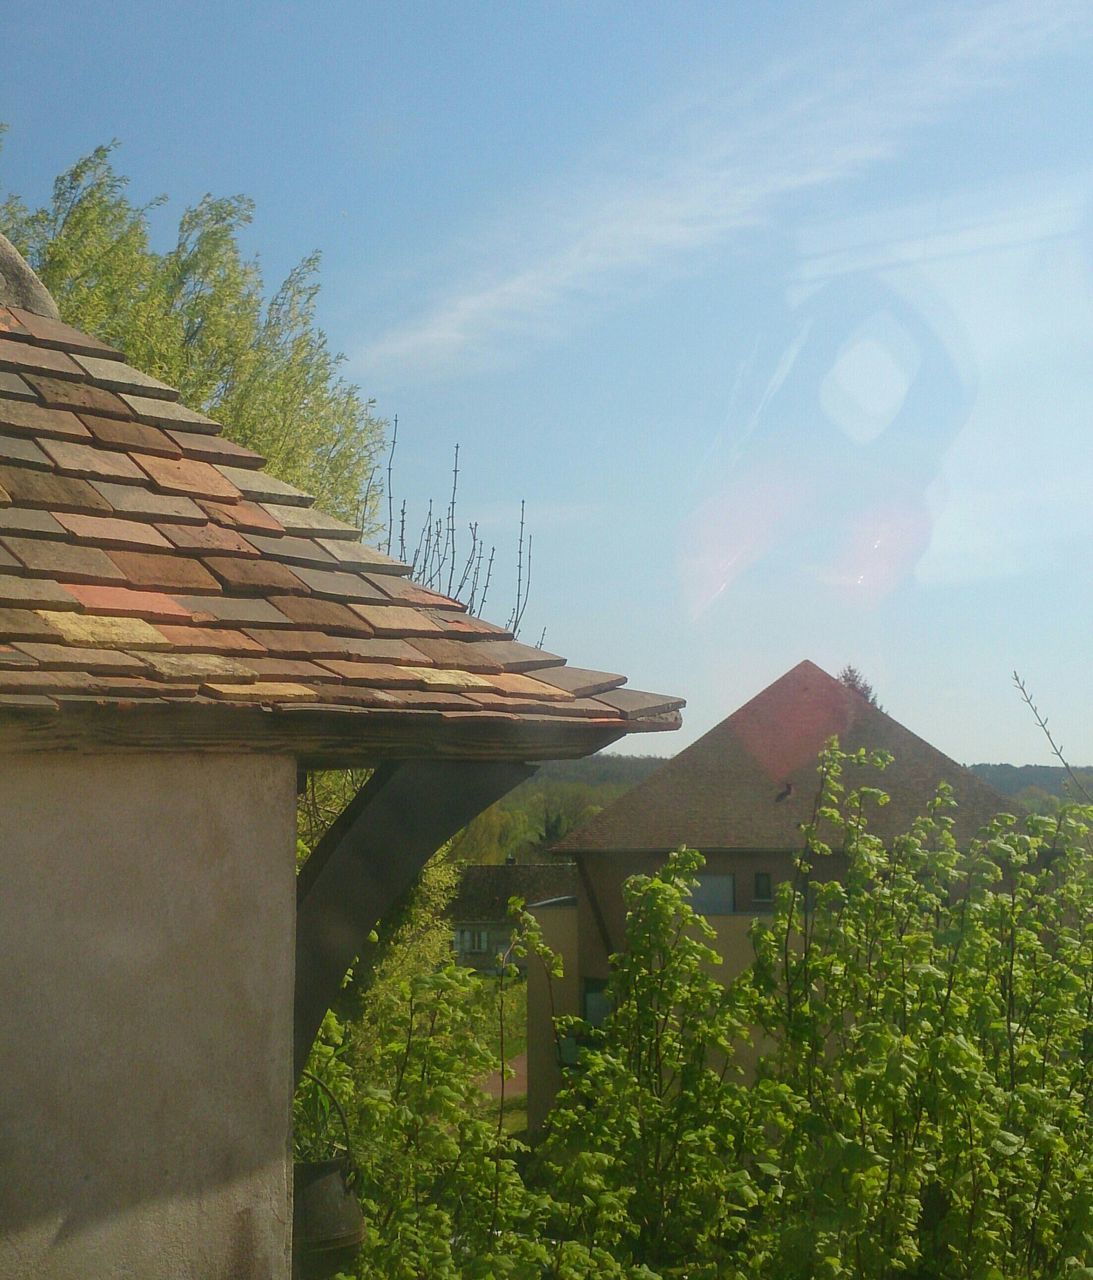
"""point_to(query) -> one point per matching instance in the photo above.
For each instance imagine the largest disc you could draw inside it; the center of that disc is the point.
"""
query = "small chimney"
(20, 287)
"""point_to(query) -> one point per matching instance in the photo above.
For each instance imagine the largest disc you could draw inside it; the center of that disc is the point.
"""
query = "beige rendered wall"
(576, 933)
(147, 908)
(555, 996)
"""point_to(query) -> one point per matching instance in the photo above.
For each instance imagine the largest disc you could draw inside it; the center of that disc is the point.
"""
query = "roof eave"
(316, 737)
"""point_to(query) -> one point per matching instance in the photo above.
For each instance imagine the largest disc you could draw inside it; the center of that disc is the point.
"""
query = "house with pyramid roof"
(182, 637)
(740, 795)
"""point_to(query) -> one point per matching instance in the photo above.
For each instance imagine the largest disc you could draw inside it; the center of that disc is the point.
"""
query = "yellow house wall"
(585, 951)
(558, 996)
(146, 981)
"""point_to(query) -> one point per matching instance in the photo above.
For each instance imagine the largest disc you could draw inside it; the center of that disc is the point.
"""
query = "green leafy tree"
(917, 1098)
(198, 317)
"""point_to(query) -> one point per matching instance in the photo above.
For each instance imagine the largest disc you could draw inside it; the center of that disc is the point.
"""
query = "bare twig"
(1055, 748)
(450, 545)
(390, 488)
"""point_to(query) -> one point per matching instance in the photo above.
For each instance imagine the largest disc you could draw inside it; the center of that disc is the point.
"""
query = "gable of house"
(751, 781)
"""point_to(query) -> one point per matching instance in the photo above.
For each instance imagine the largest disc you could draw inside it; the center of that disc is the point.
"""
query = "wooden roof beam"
(368, 861)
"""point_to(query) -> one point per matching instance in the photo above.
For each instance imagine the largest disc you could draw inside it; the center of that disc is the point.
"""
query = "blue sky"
(779, 317)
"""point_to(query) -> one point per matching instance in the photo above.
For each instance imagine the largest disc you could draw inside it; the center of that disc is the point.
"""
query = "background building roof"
(752, 780)
(149, 565)
(484, 891)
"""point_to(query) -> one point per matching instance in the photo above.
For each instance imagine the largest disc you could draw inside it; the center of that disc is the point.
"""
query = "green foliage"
(532, 818)
(899, 1085)
(197, 317)
(643, 1144)
(917, 1101)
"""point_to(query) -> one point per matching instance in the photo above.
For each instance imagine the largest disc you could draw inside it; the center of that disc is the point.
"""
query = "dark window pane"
(596, 1002)
(715, 895)
(763, 891)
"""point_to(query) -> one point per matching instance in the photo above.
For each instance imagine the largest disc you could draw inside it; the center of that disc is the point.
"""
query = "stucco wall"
(547, 997)
(147, 907)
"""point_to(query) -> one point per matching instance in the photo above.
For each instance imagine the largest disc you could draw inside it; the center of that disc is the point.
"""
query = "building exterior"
(481, 925)
(740, 795)
(181, 635)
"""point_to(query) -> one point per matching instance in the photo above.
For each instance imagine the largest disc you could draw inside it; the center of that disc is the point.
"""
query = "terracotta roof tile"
(260, 487)
(300, 644)
(23, 624)
(188, 476)
(131, 501)
(397, 620)
(337, 585)
(310, 522)
(124, 602)
(373, 649)
(293, 550)
(10, 656)
(263, 691)
(199, 666)
(15, 388)
(37, 421)
(167, 413)
(90, 463)
(107, 531)
(403, 591)
(64, 657)
(37, 360)
(23, 452)
(34, 593)
(116, 375)
(46, 558)
(27, 520)
(245, 516)
(163, 572)
(145, 560)
(185, 639)
(209, 448)
(468, 626)
(254, 577)
(512, 656)
(233, 611)
(112, 633)
(579, 682)
(118, 433)
(528, 686)
(10, 326)
(453, 653)
(359, 556)
(322, 615)
(296, 670)
(50, 492)
(58, 393)
(207, 538)
(45, 332)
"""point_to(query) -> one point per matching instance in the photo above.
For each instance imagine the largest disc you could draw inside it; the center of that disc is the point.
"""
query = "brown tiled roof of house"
(752, 780)
(484, 891)
(153, 578)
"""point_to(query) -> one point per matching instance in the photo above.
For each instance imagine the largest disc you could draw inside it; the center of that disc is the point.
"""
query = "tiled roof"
(751, 781)
(484, 891)
(148, 565)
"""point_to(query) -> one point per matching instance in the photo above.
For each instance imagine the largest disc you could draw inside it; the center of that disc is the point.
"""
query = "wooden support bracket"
(368, 861)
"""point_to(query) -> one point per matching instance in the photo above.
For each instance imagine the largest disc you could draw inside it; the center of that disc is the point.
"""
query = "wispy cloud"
(721, 163)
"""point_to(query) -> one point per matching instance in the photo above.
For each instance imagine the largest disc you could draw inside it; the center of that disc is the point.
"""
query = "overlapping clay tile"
(145, 559)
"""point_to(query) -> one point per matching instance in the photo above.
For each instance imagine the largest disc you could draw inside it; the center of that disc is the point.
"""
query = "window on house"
(595, 1001)
(764, 890)
(715, 895)
(472, 941)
